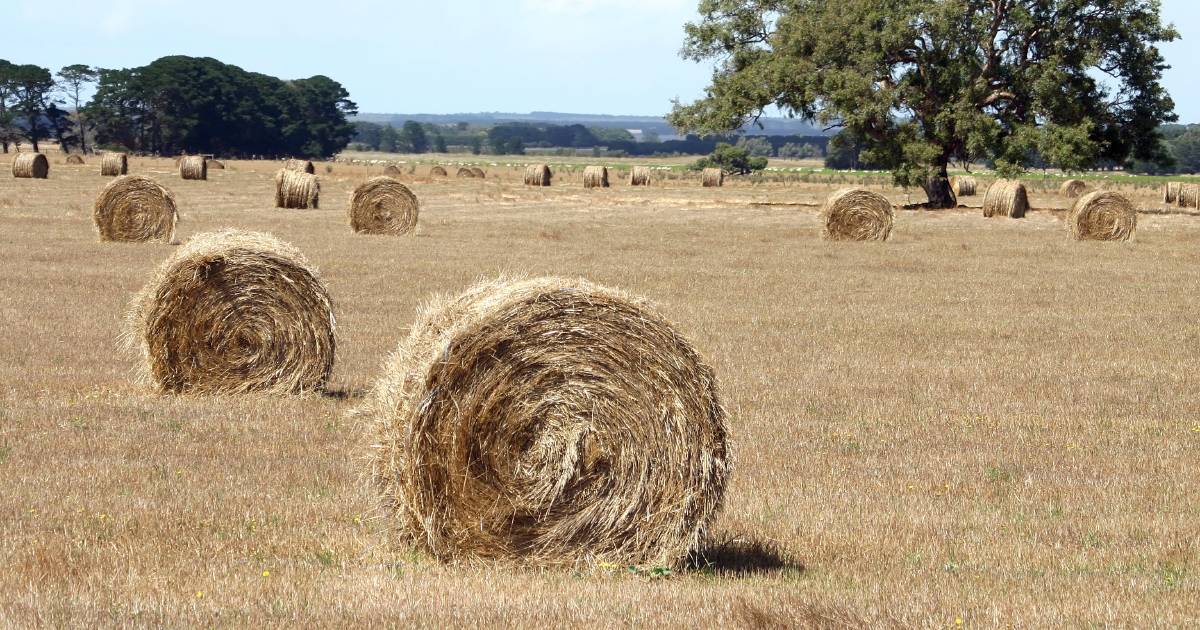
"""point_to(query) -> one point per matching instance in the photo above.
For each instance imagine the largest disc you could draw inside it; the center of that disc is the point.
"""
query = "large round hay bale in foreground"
(234, 312)
(478, 172)
(538, 175)
(639, 176)
(382, 205)
(113, 164)
(853, 214)
(964, 185)
(296, 190)
(1171, 192)
(1189, 196)
(437, 171)
(75, 160)
(31, 166)
(135, 208)
(551, 421)
(595, 177)
(193, 167)
(1006, 198)
(1073, 188)
(712, 177)
(301, 166)
(1103, 216)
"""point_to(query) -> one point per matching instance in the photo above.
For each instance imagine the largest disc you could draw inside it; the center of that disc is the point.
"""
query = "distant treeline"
(517, 138)
(176, 105)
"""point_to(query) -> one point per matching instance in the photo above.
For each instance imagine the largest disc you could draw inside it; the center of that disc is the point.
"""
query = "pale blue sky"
(449, 56)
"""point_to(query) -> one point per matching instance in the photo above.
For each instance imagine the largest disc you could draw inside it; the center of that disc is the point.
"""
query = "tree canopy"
(922, 84)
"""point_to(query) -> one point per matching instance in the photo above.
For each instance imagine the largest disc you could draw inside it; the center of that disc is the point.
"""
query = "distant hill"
(656, 124)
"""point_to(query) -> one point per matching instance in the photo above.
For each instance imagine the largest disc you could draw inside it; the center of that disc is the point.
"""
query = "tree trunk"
(941, 194)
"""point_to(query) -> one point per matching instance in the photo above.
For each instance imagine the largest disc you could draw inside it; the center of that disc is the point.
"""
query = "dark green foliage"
(925, 83)
(25, 95)
(413, 138)
(756, 145)
(72, 80)
(199, 105)
(731, 159)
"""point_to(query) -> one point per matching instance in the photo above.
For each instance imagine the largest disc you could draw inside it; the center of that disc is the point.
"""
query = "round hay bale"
(538, 175)
(301, 166)
(1073, 188)
(595, 177)
(296, 190)
(135, 208)
(193, 167)
(1103, 216)
(216, 164)
(382, 205)
(1189, 196)
(391, 170)
(552, 421)
(234, 312)
(478, 172)
(1006, 198)
(712, 178)
(852, 214)
(437, 171)
(113, 164)
(639, 176)
(31, 166)
(1171, 192)
(465, 172)
(75, 160)
(964, 185)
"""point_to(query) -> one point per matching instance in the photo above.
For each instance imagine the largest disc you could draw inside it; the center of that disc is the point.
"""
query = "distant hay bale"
(234, 312)
(550, 421)
(193, 167)
(114, 164)
(639, 176)
(437, 171)
(853, 214)
(382, 205)
(391, 170)
(1103, 216)
(1171, 192)
(75, 160)
(135, 208)
(296, 190)
(1073, 188)
(538, 175)
(216, 164)
(478, 172)
(595, 177)
(465, 172)
(964, 186)
(1189, 196)
(1006, 198)
(31, 166)
(712, 177)
(301, 166)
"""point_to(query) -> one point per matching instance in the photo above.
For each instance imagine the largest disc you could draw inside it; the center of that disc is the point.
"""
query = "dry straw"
(234, 312)
(113, 164)
(382, 205)
(1189, 196)
(193, 167)
(1006, 198)
(538, 175)
(853, 214)
(135, 208)
(713, 177)
(964, 186)
(1073, 188)
(392, 170)
(1171, 192)
(296, 189)
(465, 172)
(639, 176)
(301, 166)
(1103, 216)
(216, 164)
(437, 171)
(75, 160)
(595, 177)
(478, 172)
(31, 166)
(551, 421)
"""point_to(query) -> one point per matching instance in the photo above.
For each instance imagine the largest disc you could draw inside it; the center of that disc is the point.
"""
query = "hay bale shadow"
(734, 556)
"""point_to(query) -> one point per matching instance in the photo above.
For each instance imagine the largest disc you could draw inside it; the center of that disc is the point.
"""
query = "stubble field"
(977, 423)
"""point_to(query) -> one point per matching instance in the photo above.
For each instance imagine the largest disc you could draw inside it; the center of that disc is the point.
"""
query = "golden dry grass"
(922, 434)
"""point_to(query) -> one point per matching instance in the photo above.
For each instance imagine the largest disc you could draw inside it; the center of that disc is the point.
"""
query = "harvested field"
(922, 431)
